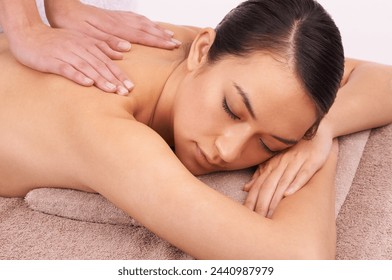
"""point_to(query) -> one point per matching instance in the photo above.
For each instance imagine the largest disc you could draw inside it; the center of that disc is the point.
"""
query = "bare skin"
(56, 133)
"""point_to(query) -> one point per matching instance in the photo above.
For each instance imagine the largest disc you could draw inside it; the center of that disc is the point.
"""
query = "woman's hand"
(71, 54)
(116, 28)
(286, 173)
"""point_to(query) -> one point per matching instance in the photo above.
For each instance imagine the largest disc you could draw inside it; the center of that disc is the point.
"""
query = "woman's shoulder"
(149, 68)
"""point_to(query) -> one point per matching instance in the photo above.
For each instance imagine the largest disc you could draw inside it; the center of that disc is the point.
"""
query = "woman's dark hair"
(299, 30)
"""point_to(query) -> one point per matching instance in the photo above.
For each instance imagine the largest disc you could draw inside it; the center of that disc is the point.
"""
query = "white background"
(366, 26)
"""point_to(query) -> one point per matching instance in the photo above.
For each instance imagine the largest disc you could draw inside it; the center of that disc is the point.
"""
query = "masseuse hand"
(68, 53)
(286, 173)
(113, 32)
(116, 28)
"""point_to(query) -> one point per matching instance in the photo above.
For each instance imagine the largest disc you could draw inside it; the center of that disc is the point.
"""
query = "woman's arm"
(132, 166)
(364, 101)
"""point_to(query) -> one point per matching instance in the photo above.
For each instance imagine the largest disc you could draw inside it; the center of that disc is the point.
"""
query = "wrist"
(26, 33)
(16, 17)
(58, 11)
(326, 128)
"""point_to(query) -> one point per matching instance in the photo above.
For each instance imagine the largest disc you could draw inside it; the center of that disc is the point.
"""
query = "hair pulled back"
(301, 31)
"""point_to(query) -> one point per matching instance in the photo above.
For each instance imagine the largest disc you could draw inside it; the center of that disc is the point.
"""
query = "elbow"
(308, 244)
(316, 252)
(320, 247)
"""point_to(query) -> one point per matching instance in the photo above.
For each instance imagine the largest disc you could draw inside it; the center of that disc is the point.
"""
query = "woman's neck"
(162, 118)
(160, 72)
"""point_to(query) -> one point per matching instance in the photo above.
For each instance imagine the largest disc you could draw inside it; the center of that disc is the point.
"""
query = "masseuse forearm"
(16, 15)
(364, 101)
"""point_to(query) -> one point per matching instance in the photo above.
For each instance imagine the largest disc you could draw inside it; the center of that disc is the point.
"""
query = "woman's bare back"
(43, 116)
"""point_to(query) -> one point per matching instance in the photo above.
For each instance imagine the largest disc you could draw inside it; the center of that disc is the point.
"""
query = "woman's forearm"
(16, 15)
(363, 102)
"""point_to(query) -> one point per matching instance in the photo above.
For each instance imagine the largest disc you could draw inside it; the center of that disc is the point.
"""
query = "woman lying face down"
(231, 98)
(256, 86)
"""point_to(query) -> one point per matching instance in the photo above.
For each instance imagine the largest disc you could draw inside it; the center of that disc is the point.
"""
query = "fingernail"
(88, 81)
(171, 33)
(178, 43)
(122, 90)
(289, 191)
(110, 86)
(124, 46)
(249, 183)
(269, 215)
(128, 84)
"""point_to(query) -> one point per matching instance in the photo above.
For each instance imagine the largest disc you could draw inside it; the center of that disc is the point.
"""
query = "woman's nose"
(231, 144)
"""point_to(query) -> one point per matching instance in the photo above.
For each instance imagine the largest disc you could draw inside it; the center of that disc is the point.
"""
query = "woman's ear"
(199, 50)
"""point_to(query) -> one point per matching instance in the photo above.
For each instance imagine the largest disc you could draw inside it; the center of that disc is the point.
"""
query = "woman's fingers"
(285, 180)
(303, 176)
(253, 192)
(269, 184)
(263, 188)
(286, 173)
(249, 184)
(269, 189)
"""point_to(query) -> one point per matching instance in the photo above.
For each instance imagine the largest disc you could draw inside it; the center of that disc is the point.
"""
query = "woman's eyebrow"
(245, 99)
(249, 107)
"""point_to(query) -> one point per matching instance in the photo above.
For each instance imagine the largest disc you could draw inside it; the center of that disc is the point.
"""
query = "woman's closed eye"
(266, 148)
(233, 116)
(227, 109)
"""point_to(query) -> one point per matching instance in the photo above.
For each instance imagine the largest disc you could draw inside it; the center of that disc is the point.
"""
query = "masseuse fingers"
(95, 65)
(146, 38)
(118, 27)
(64, 69)
(115, 74)
(108, 51)
(143, 37)
(84, 64)
(110, 44)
